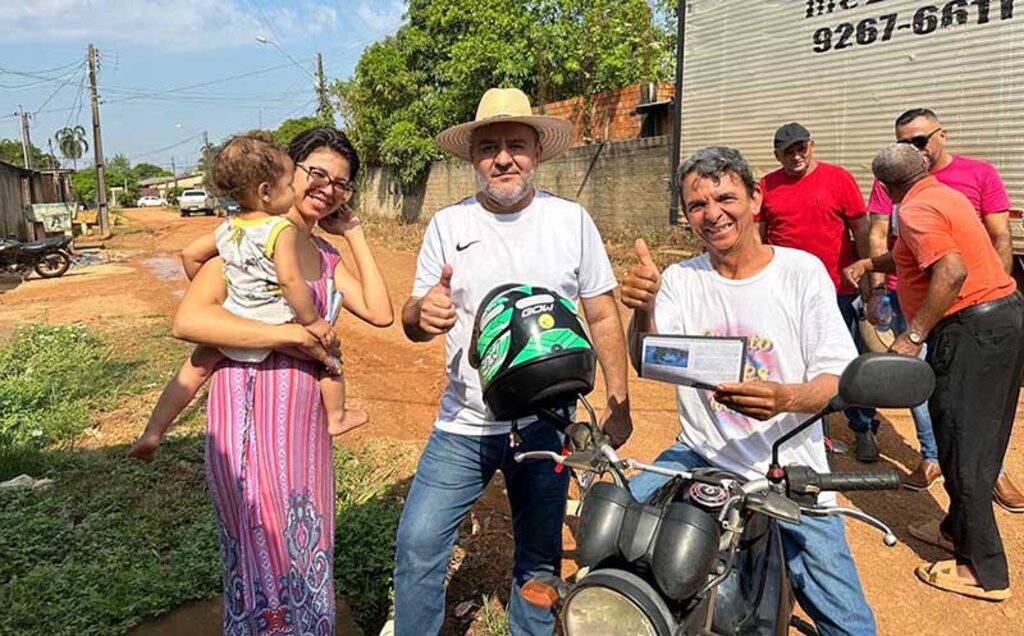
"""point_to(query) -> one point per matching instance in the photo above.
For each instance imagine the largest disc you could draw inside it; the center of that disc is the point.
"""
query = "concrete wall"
(620, 183)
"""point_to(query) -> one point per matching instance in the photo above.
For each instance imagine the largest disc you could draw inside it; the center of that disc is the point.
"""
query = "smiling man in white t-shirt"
(783, 301)
(508, 232)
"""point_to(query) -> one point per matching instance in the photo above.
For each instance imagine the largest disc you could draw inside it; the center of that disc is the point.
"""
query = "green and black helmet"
(532, 351)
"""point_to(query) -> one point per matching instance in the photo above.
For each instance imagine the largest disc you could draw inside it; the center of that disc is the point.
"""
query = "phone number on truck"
(925, 20)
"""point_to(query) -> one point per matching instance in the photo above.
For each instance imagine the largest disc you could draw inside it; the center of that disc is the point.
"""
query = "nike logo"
(459, 246)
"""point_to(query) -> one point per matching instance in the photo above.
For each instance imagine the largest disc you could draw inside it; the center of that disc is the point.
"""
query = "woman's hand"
(305, 342)
(342, 220)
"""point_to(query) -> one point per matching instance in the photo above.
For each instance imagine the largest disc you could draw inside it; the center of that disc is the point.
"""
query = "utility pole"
(26, 143)
(97, 146)
(53, 157)
(677, 113)
(324, 110)
(174, 173)
(206, 153)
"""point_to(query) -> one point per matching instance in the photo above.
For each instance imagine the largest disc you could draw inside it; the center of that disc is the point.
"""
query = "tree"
(72, 143)
(291, 127)
(148, 171)
(11, 152)
(83, 182)
(585, 47)
(431, 73)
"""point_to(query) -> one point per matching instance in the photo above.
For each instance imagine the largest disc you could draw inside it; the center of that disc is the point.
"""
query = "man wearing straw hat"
(507, 232)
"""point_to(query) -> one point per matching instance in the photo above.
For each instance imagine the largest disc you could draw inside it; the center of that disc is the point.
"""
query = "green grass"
(114, 542)
(111, 542)
(51, 380)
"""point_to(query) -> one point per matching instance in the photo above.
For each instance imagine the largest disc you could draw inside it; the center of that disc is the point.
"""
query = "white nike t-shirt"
(789, 316)
(553, 243)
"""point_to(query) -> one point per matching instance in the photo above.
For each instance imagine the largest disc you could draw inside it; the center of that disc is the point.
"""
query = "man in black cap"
(814, 206)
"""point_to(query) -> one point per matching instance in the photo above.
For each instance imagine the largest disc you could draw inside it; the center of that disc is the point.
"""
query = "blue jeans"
(922, 419)
(821, 568)
(861, 419)
(453, 472)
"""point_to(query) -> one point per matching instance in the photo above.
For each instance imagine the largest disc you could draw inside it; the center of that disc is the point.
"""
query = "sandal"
(942, 575)
(931, 534)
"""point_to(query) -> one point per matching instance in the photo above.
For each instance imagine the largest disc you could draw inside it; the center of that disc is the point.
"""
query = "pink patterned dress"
(271, 477)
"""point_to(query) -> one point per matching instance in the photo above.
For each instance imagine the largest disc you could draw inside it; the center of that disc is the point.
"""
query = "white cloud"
(181, 25)
(382, 17)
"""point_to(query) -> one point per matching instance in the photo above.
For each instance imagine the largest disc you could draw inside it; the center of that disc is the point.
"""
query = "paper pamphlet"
(702, 362)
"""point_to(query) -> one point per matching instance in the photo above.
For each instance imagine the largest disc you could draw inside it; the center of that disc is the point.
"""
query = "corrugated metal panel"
(750, 66)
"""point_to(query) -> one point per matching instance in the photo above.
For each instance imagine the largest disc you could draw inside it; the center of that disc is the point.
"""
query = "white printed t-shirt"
(254, 292)
(794, 331)
(553, 243)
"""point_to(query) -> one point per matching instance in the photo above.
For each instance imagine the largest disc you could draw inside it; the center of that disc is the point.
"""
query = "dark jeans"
(453, 472)
(861, 419)
(978, 362)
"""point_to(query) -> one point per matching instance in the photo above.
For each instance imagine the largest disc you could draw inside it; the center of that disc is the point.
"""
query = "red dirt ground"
(399, 383)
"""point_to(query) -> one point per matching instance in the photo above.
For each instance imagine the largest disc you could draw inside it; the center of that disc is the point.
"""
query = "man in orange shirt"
(957, 297)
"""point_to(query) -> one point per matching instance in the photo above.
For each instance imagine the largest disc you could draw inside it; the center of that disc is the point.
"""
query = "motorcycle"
(703, 555)
(50, 258)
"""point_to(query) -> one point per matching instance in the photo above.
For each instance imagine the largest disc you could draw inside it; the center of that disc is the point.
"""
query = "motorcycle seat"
(37, 247)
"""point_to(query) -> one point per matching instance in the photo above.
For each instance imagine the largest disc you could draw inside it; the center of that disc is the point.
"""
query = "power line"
(166, 148)
(44, 71)
(154, 93)
(81, 68)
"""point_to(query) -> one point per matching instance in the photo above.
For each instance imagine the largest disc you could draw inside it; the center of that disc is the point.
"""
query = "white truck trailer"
(846, 69)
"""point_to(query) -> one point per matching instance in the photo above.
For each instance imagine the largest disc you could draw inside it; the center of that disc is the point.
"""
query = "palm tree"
(71, 142)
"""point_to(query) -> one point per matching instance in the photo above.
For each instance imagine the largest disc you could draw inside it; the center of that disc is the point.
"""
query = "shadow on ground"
(897, 509)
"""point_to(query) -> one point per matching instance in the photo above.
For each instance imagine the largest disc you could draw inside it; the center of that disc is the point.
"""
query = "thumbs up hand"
(437, 313)
(641, 286)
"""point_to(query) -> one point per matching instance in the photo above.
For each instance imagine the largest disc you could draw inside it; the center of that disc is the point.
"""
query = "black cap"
(789, 134)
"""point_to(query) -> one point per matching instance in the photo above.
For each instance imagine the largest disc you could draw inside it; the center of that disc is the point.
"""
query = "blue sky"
(165, 46)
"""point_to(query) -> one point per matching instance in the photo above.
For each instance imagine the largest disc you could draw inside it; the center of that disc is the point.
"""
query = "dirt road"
(399, 383)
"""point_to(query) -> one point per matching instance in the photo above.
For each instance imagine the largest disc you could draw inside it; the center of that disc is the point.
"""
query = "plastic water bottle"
(883, 314)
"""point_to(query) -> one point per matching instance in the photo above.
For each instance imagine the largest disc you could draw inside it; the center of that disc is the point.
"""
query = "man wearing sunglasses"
(981, 184)
(814, 206)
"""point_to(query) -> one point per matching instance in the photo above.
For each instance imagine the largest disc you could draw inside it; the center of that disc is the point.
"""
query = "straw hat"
(509, 105)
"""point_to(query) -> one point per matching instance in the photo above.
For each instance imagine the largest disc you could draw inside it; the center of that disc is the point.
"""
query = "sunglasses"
(319, 178)
(919, 141)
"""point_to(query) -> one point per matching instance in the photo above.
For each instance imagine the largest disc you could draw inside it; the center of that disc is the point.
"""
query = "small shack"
(34, 203)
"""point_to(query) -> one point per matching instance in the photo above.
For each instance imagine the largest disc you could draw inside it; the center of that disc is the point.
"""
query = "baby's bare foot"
(350, 419)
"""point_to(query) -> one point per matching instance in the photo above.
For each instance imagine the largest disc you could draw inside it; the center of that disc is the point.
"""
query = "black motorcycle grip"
(842, 482)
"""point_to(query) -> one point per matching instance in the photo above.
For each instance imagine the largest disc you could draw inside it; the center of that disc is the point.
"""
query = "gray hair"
(899, 164)
(713, 162)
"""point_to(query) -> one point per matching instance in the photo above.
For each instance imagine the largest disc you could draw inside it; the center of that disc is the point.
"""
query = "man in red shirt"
(814, 206)
(981, 184)
(956, 297)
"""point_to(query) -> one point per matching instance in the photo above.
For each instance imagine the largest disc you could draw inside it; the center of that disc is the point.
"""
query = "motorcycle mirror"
(885, 380)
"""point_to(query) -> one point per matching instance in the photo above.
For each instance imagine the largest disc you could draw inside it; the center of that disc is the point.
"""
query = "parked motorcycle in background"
(50, 258)
(703, 556)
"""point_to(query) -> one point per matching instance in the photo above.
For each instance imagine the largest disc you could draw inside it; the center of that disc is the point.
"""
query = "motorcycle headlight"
(615, 603)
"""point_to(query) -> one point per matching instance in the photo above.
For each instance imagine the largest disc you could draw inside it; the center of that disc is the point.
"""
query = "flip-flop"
(942, 575)
(931, 534)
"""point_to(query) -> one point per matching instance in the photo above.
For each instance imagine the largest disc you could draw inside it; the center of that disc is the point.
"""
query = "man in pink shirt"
(981, 184)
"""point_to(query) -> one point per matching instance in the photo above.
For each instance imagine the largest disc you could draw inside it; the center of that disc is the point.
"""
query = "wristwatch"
(915, 336)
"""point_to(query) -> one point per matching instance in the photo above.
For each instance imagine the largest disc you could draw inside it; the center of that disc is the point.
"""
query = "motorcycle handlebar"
(805, 480)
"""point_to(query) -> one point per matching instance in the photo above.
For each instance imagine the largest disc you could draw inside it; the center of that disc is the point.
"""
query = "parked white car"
(151, 202)
(196, 200)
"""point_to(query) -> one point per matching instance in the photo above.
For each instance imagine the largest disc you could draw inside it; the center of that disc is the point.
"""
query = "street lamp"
(263, 40)
(324, 109)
